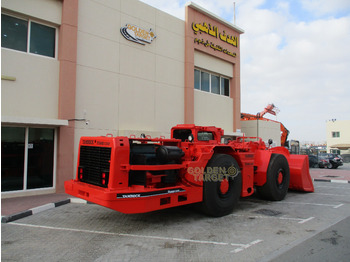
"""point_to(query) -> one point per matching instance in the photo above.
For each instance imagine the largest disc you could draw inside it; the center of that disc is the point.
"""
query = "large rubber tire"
(277, 179)
(216, 201)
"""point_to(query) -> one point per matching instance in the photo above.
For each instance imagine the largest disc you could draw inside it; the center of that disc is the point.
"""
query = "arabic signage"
(137, 34)
(214, 46)
(214, 31)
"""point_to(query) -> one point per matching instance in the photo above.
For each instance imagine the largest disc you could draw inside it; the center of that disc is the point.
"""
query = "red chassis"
(137, 175)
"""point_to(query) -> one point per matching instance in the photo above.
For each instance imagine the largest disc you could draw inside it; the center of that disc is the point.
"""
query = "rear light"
(80, 171)
(104, 178)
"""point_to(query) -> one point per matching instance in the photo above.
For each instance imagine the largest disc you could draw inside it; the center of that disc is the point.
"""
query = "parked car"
(330, 161)
(313, 161)
(323, 162)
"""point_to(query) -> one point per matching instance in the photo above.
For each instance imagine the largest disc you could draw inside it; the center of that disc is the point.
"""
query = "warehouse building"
(84, 68)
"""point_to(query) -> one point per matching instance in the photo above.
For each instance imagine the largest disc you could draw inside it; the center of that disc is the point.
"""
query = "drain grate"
(268, 212)
(330, 176)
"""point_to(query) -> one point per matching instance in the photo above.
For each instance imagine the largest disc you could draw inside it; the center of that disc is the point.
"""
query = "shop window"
(335, 134)
(215, 84)
(42, 40)
(15, 33)
(212, 83)
(225, 86)
(27, 158)
(197, 79)
(205, 82)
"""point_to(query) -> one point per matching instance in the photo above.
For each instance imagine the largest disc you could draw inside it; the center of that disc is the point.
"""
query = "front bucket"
(300, 178)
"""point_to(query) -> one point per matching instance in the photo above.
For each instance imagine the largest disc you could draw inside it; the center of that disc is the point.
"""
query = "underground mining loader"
(137, 175)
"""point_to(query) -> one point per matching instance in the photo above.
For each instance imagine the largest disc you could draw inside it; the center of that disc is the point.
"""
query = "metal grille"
(95, 161)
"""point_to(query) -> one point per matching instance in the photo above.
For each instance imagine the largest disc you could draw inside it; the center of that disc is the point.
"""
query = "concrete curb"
(35, 210)
(331, 181)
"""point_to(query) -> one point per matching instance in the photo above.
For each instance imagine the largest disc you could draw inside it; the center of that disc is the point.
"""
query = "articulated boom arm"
(273, 110)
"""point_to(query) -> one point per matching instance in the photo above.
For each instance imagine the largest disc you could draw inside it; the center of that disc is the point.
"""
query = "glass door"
(27, 158)
(12, 158)
(40, 158)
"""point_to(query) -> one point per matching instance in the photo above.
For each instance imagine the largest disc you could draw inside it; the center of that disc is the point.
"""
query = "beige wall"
(263, 129)
(31, 84)
(341, 126)
(205, 49)
(124, 87)
(47, 10)
(117, 86)
(34, 93)
(213, 64)
(211, 109)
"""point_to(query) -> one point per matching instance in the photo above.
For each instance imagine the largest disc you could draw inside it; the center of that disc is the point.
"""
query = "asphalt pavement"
(303, 227)
(331, 244)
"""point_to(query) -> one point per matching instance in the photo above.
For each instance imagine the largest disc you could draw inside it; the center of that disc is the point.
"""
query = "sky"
(294, 54)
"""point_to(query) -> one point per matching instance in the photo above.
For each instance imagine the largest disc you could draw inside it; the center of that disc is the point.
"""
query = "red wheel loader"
(137, 175)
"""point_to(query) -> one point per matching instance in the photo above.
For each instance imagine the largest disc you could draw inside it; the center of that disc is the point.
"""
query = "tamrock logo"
(137, 34)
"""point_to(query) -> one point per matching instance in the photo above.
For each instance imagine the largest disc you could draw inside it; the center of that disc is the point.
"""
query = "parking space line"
(326, 194)
(246, 246)
(301, 220)
(305, 220)
(314, 204)
(337, 187)
(241, 246)
(339, 205)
